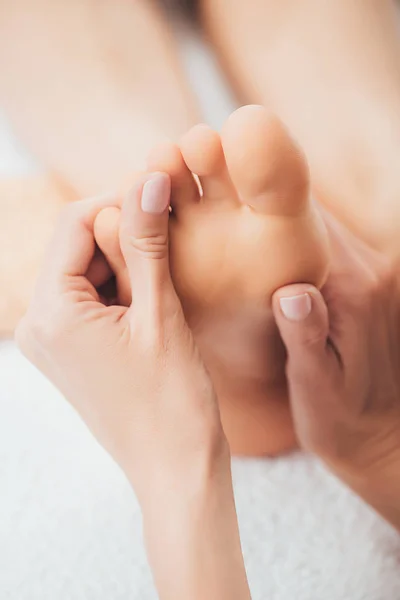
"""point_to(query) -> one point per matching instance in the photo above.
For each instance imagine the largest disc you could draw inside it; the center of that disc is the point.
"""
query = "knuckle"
(151, 245)
(28, 337)
(314, 336)
(50, 333)
(42, 330)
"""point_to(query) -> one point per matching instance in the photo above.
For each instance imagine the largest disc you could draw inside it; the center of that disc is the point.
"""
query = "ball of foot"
(250, 230)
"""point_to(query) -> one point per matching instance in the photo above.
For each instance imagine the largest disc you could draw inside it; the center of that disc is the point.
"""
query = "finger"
(99, 271)
(144, 239)
(313, 369)
(302, 319)
(73, 246)
(106, 230)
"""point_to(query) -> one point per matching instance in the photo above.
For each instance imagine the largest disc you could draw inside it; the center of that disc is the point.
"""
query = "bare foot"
(30, 207)
(253, 230)
(331, 71)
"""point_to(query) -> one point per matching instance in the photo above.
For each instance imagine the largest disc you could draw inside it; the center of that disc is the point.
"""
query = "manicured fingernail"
(296, 308)
(156, 194)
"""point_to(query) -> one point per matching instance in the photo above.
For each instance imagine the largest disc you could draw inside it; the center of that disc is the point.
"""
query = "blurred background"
(70, 527)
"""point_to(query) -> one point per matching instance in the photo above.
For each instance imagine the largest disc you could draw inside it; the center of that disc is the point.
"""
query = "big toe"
(267, 167)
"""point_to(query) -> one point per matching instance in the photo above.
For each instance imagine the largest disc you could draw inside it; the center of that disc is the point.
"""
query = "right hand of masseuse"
(134, 374)
(343, 369)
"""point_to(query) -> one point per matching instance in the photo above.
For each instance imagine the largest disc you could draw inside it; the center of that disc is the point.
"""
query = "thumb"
(314, 370)
(302, 319)
(144, 237)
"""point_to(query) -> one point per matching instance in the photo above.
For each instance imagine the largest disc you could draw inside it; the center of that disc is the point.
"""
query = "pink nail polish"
(296, 308)
(156, 194)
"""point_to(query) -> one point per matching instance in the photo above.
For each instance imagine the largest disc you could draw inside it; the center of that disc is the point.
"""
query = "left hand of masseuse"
(134, 374)
(136, 378)
(343, 369)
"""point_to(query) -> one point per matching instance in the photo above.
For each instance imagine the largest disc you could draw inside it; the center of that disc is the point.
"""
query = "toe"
(167, 158)
(266, 166)
(106, 230)
(203, 153)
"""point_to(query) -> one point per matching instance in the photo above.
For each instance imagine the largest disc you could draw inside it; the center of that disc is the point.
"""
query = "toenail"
(156, 193)
(296, 308)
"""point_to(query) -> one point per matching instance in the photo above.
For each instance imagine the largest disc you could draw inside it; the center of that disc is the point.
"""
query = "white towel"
(70, 527)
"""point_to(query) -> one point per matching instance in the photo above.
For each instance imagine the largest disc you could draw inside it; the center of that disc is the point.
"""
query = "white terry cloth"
(70, 527)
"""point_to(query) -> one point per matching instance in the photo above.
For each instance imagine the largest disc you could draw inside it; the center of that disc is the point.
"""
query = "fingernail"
(156, 194)
(296, 308)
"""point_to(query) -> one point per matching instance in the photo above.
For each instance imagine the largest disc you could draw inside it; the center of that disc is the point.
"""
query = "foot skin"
(253, 230)
(331, 71)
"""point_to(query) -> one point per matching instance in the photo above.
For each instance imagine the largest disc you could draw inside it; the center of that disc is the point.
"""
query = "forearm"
(375, 477)
(194, 546)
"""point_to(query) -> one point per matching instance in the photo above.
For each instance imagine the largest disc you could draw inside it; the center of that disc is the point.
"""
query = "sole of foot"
(248, 229)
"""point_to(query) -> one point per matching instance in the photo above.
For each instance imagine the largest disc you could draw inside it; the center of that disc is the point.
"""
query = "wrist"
(187, 487)
(374, 472)
(176, 469)
(192, 540)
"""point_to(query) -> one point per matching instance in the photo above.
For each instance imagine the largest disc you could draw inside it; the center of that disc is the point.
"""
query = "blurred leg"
(90, 86)
(331, 70)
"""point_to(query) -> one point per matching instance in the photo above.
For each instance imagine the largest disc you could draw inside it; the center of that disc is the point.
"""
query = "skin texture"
(145, 393)
(351, 139)
(80, 95)
(252, 231)
(144, 374)
(331, 71)
(343, 362)
(338, 93)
